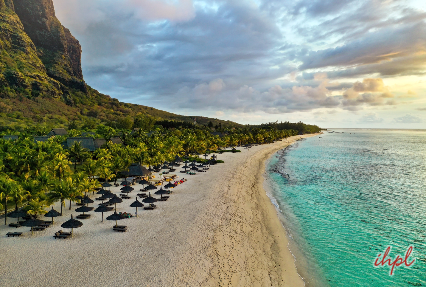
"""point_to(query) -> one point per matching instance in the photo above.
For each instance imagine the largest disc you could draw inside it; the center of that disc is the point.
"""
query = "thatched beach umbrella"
(109, 194)
(103, 208)
(115, 200)
(84, 209)
(127, 189)
(144, 182)
(136, 204)
(86, 200)
(102, 191)
(169, 185)
(151, 187)
(106, 184)
(32, 222)
(52, 213)
(17, 214)
(161, 192)
(149, 199)
(115, 216)
(72, 223)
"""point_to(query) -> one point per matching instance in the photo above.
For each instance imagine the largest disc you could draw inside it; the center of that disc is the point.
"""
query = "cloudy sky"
(353, 63)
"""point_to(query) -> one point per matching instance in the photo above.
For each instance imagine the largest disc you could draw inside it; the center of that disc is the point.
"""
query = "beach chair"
(16, 225)
(13, 234)
(119, 228)
(151, 206)
(62, 235)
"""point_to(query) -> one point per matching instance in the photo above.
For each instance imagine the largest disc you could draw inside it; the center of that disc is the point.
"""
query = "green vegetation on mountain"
(41, 82)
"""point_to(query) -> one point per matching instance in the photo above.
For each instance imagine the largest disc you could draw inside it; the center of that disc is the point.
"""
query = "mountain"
(41, 78)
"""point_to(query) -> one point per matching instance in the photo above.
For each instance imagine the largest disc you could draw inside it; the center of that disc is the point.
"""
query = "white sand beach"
(217, 229)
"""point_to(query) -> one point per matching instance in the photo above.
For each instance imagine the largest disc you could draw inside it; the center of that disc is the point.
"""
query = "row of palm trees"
(37, 174)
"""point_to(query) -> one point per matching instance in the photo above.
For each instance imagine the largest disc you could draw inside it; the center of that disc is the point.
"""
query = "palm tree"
(90, 167)
(61, 166)
(78, 153)
(7, 189)
(63, 189)
(35, 207)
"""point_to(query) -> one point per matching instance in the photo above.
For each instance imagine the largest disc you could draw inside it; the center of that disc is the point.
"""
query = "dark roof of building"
(86, 142)
(99, 143)
(116, 140)
(41, 138)
(10, 137)
(219, 134)
(57, 132)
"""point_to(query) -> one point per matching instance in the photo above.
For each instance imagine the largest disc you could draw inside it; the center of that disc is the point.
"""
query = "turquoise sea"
(344, 197)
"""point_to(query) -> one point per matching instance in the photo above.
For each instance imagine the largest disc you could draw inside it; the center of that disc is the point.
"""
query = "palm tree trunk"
(62, 204)
(70, 205)
(5, 211)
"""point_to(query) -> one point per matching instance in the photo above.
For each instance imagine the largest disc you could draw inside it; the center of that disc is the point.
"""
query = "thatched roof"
(86, 142)
(57, 132)
(138, 170)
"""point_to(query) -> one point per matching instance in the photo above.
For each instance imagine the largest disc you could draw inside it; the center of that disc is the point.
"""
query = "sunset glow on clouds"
(328, 62)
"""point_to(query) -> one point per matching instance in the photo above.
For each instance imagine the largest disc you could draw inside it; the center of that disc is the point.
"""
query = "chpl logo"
(397, 262)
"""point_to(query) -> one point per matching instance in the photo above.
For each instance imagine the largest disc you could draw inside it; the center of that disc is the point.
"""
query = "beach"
(217, 229)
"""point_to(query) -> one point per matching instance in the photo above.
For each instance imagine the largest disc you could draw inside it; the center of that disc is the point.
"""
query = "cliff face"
(38, 55)
(57, 48)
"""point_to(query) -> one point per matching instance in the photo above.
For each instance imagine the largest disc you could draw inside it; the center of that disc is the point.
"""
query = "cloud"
(180, 10)
(369, 85)
(408, 119)
(370, 118)
(247, 56)
(368, 92)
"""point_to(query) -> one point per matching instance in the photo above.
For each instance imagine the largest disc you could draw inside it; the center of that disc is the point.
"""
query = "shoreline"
(250, 245)
(217, 229)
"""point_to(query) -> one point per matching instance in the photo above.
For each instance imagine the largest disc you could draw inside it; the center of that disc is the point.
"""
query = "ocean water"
(344, 197)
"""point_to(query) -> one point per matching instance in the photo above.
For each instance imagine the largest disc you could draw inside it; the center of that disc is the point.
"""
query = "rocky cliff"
(39, 56)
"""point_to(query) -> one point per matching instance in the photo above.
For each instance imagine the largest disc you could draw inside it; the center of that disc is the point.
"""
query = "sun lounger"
(83, 216)
(119, 228)
(16, 225)
(13, 234)
(62, 235)
(150, 207)
(38, 228)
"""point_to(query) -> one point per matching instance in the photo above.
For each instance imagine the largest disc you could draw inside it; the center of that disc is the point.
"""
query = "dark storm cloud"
(240, 56)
